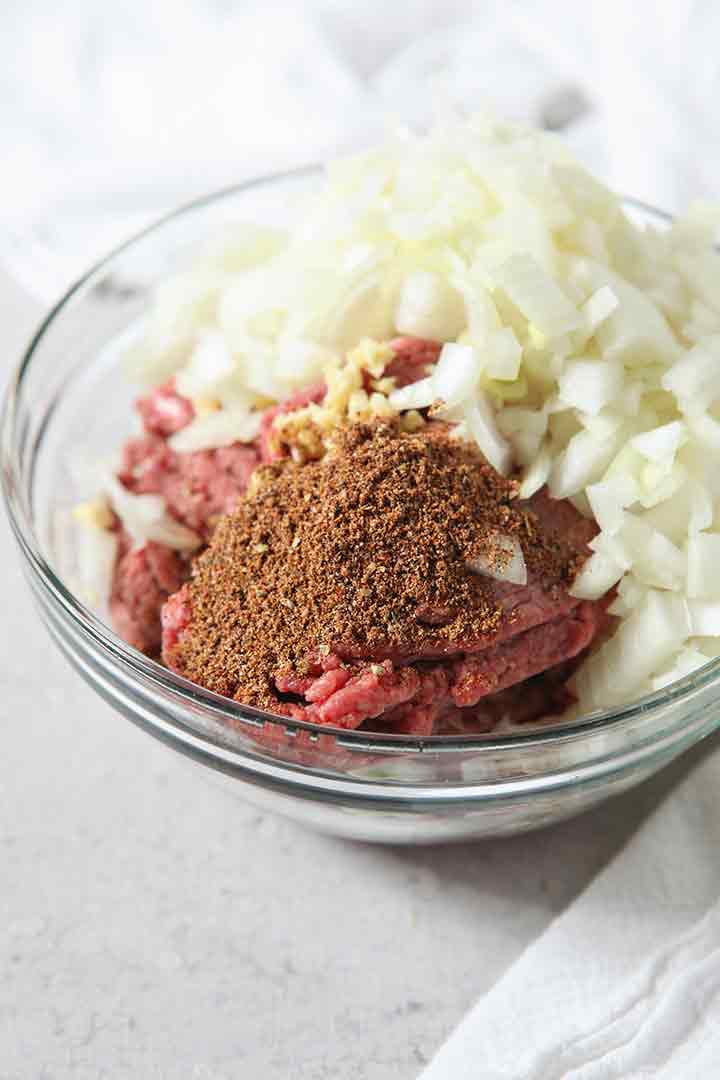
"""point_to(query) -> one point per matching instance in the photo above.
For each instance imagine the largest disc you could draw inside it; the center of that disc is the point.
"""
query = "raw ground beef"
(197, 487)
(413, 357)
(422, 696)
(144, 578)
(519, 673)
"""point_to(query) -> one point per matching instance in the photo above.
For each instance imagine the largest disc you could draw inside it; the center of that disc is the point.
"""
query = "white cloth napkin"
(108, 121)
(625, 984)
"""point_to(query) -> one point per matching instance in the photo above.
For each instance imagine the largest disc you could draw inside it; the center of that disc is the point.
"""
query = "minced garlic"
(412, 421)
(305, 430)
(205, 406)
(95, 514)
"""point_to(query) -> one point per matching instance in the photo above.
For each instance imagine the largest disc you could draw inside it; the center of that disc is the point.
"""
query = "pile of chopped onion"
(145, 517)
(580, 349)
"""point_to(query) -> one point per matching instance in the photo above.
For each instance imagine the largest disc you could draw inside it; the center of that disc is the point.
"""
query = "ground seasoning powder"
(363, 553)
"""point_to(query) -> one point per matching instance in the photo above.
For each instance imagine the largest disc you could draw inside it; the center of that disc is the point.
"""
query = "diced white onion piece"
(708, 646)
(221, 428)
(211, 363)
(259, 373)
(460, 431)
(363, 310)
(512, 569)
(482, 427)
(630, 594)
(142, 509)
(583, 461)
(586, 194)
(525, 430)
(597, 576)
(503, 354)
(695, 229)
(145, 518)
(655, 559)
(182, 304)
(608, 501)
(705, 429)
(429, 307)
(661, 443)
(629, 403)
(482, 316)
(685, 662)
(590, 384)
(636, 332)
(659, 482)
(96, 556)
(598, 307)
(604, 425)
(299, 362)
(590, 238)
(703, 566)
(456, 373)
(168, 531)
(619, 608)
(417, 395)
(243, 245)
(625, 471)
(702, 273)
(695, 378)
(249, 298)
(536, 474)
(701, 508)
(704, 618)
(87, 470)
(703, 323)
(642, 644)
(612, 549)
(537, 295)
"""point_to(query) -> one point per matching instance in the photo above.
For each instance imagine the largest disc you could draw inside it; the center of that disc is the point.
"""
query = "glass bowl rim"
(223, 708)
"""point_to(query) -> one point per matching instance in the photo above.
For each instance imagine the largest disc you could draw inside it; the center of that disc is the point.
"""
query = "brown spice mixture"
(361, 552)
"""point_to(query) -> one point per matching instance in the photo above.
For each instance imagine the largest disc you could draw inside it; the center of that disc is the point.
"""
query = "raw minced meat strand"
(197, 487)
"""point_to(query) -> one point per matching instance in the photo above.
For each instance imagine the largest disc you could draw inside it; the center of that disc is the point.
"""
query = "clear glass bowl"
(69, 391)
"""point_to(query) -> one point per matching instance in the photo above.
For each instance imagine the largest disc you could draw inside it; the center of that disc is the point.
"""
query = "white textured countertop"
(151, 926)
